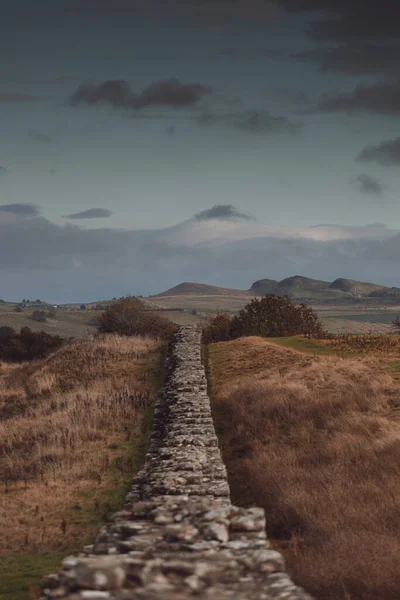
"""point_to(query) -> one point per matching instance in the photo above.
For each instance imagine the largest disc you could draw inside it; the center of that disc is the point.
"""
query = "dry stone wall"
(178, 535)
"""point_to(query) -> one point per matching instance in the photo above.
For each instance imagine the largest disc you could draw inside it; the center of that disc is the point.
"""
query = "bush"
(28, 345)
(39, 315)
(218, 329)
(129, 317)
(6, 332)
(269, 316)
(18, 309)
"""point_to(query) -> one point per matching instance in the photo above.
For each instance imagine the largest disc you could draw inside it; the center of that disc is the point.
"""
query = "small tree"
(83, 307)
(396, 324)
(128, 317)
(39, 315)
(6, 332)
(275, 316)
(218, 329)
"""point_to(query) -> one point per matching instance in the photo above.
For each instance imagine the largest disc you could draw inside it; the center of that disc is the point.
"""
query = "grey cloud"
(261, 121)
(387, 153)
(68, 263)
(253, 121)
(296, 97)
(349, 21)
(3, 171)
(355, 59)
(14, 98)
(380, 98)
(21, 210)
(169, 92)
(223, 212)
(170, 130)
(40, 137)
(367, 184)
(91, 213)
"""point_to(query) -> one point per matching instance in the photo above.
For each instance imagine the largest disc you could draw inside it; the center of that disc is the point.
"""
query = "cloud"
(68, 263)
(387, 153)
(261, 121)
(295, 97)
(344, 21)
(380, 98)
(21, 210)
(355, 59)
(367, 184)
(170, 130)
(91, 213)
(223, 212)
(3, 171)
(169, 92)
(254, 121)
(14, 98)
(40, 137)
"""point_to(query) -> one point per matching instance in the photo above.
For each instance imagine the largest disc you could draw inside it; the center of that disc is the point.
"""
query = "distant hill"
(198, 289)
(316, 289)
(297, 287)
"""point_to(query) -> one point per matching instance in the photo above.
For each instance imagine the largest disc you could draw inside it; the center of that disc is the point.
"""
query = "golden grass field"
(73, 430)
(315, 439)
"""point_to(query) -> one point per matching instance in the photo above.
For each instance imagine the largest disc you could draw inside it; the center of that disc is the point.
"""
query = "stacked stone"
(178, 535)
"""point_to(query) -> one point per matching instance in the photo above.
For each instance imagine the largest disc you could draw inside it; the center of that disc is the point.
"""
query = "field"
(311, 432)
(367, 317)
(73, 430)
(68, 323)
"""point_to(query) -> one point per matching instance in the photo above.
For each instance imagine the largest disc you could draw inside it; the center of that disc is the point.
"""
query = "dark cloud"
(91, 213)
(14, 98)
(223, 212)
(386, 153)
(116, 92)
(380, 98)
(40, 137)
(3, 171)
(367, 184)
(345, 21)
(355, 59)
(169, 92)
(21, 210)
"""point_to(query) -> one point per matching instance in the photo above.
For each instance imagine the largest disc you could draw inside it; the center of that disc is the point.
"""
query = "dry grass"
(68, 425)
(376, 345)
(316, 442)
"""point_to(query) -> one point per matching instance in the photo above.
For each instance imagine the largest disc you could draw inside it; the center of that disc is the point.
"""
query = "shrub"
(269, 316)
(275, 316)
(18, 309)
(39, 315)
(83, 306)
(129, 317)
(218, 329)
(6, 332)
(28, 345)
(396, 323)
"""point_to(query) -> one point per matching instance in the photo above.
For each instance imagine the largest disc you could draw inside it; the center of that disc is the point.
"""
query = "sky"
(146, 142)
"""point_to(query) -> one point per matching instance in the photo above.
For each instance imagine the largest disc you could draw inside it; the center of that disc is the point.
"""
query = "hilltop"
(297, 287)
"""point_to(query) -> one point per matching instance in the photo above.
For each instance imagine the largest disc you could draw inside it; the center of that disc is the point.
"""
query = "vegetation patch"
(76, 434)
(314, 440)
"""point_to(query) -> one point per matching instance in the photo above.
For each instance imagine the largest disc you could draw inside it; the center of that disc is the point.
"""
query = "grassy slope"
(314, 440)
(69, 323)
(87, 481)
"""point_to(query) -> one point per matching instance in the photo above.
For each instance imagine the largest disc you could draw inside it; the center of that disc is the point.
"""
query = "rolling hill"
(189, 294)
